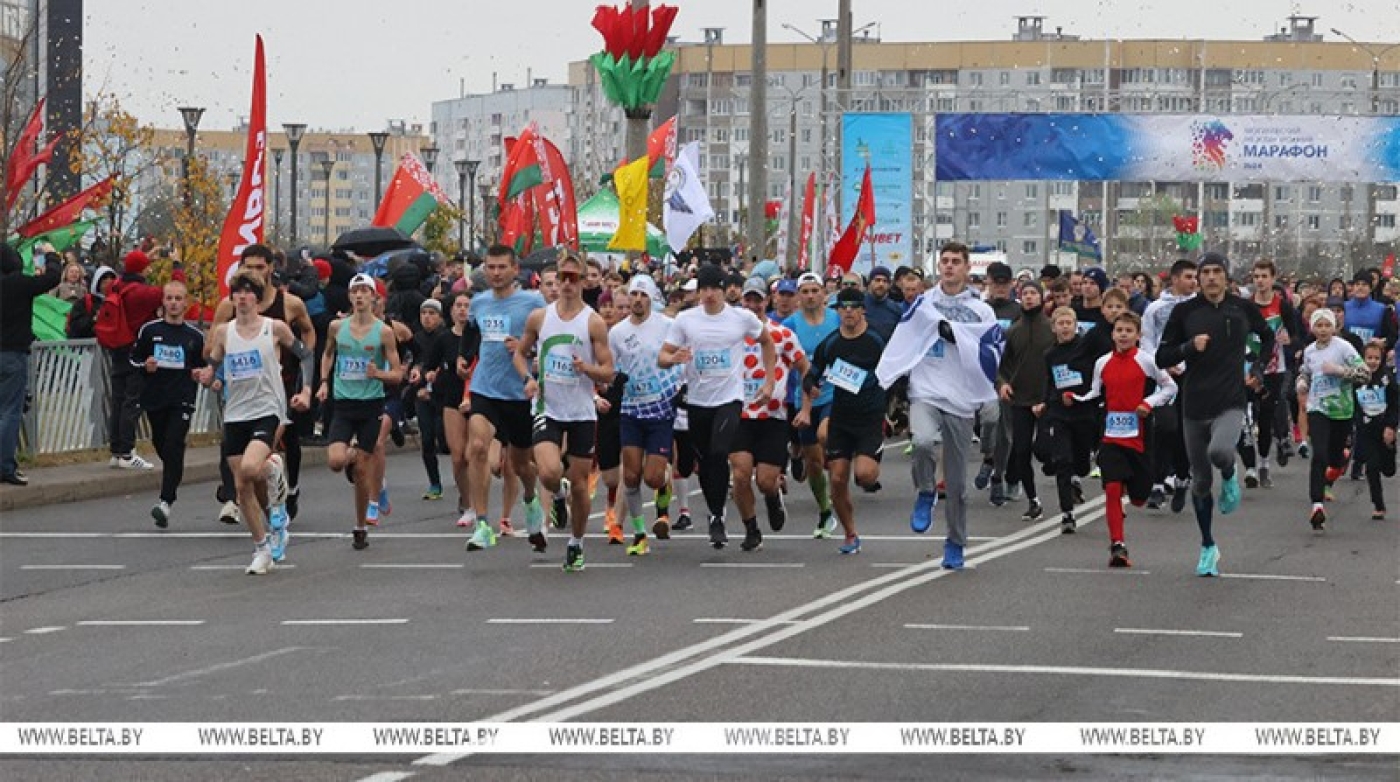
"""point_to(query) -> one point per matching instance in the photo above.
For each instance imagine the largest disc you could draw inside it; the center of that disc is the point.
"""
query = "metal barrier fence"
(69, 389)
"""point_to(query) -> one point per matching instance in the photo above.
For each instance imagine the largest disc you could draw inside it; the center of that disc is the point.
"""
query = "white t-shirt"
(649, 388)
(715, 375)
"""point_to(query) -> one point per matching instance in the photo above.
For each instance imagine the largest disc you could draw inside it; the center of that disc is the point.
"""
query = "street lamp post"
(191, 116)
(294, 132)
(487, 236)
(277, 154)
(378, 139)
(1376, 55)
(466, 169)
(328, 166)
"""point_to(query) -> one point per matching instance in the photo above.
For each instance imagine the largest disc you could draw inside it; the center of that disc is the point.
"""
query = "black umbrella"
(369, 242)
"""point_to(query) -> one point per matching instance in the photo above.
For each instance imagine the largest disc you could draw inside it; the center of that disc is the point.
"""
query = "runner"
(247, 348)
(1070, 428)
(1121, 379)
(573, 356)
(358, 350)
(648, 407)
(993, 418)
(852, 434)
(1270, 410)
(428, 411)
(949, 345)
(813, 323)
(1379, 418)
(607, 467)
(1330, 369)
(1171, 467)
(1021, 386)
(447, 389)
(709, 341)
(169, 351)
(760, 449)
(499, 409)
(1209, 333)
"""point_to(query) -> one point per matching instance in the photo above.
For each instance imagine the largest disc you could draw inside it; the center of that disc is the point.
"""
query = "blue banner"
(886, 142)
(1167, 147)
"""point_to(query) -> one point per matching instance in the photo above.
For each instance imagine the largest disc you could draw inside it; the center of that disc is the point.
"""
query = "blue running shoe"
(534, 516)
(277, 537)
(952, 556)
(922, 517)
(851, 546)
(384, 507)
(1230, 494)
(1209, 565)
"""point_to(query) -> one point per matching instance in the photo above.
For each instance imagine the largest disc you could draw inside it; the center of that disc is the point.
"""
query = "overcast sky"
(353, 65)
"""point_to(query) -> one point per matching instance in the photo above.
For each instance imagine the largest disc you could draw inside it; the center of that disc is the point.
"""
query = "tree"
(113, 143)
(197, 226)
(440, 230)
(1152, 231)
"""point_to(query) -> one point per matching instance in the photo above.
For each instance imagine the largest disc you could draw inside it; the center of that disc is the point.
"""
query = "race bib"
(713, 363)
(243, 366)
(352, 367)
(1324, 386)
(1085, 326)
(846, 377)
(170, 356)
(1005, 323)
(559, 367)
(938, 350)
(1372, 401)
(644, 390)
(1121, 426)
(1365, 334)
(751, 387)
(1066, 377)
(495, 328)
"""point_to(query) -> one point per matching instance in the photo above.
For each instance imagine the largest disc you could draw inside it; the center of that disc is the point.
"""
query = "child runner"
(1326, 376)
(1073, 426)
(1380, 415)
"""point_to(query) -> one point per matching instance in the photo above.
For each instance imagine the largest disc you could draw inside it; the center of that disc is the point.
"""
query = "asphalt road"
(1300, 629)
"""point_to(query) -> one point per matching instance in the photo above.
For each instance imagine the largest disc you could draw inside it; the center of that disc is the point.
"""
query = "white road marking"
(788, 565)
(352, 622)
(45, 630)
(1066, 670)
(72, 567)
(1274, 577)
(147, 697)
(385, 698)
(689, 661)
(387, 776)
(564, 621)
(141, 622)
(414, 565)
(5, 640)
(538, 693)
(1105, 571)
(219, 668)
(1362, 639)
(1197, 633)
(723, 621)
(995, 628)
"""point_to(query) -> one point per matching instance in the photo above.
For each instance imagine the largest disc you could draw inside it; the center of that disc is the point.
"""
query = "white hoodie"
(956, 378)
(1154, 320)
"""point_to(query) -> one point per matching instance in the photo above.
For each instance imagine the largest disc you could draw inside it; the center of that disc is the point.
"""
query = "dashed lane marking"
(1188, 633)
(992, 628)
(141, 623)
(547, 621)
(347, 622)
(1362, 639)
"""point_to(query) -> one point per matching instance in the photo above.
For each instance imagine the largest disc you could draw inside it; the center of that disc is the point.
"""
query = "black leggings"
(712, 429)
(1379, 460)
(1073, 451)
(1329, 443)
(1270, 414)
(430, 433)
(1019, 468)
(168, 429)
(1169, 444)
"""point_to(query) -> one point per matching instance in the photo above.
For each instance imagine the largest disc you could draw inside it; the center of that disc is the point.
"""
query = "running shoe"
(359, 539)
(538, 542)
(506, 529)
(277, 520)
(615, 536)
(1014, 492)
(663, 499)
(1378, 514)
(718, 537)
(1156, 497)
(385, 507)
(1180, 493)
(799, 468)
(1067, 524)
(434, 492)
(1209, 564)
(1332, 474)
(984, 476)
(573, 559)
(559, 512)
(942, 490)
(998, 493)
(683, 522)
(482, 537)
(1034, 512)
(1077, 489)
(1265, 481)
(1230, 494)
(293, 502)
(131, 461)
(262, 561)
(753, 538)
(952, 556)
(230, 514)
(276, 481)
(1118, 555)
(161, 513)
(467, 519)
(372, 514)
(640, 546)
(16, 478)
(851, 546)
(922, 517)
(1304, 450)
(1318, 519)
(777, 512)
(1251, 479)
(826, 524)
(662, 528)
(1285, 450)
(1095, 473)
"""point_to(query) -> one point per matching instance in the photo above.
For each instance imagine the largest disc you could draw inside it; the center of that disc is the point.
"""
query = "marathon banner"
(885, 143)
(544, 738)
(1176, 148)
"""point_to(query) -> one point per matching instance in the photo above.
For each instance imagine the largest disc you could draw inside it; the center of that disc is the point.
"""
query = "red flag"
(1388, 270)
(661, 149)
(412, 196)
(554, 199)
(244, 224)
(23, 161)
(68, 211)
(864, 218)
(518, 223)
(809, 208)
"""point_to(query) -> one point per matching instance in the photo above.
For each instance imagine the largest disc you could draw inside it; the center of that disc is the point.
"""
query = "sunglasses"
(569, 277)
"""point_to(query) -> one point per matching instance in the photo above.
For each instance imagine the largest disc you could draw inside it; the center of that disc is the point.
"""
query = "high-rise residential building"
(1292, 72)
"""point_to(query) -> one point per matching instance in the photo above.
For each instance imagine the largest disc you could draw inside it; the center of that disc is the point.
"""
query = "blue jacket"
(882, 315)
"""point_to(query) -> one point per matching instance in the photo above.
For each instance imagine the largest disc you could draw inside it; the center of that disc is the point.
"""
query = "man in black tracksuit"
(1210, 333)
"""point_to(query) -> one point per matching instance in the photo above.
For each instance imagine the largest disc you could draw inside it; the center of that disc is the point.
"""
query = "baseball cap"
(999, 272)
(809, 279)
(709, 276)
(849, 297)
(755, 286)
(362, 279)
(1099, 276)
(788, 285)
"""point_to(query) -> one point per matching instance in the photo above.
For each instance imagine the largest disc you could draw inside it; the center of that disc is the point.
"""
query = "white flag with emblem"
(687, 206)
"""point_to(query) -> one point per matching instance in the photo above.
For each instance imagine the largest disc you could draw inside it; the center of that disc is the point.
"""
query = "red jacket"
(140, 299)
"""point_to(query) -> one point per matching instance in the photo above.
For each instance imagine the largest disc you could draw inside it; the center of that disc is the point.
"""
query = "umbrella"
(369, 242)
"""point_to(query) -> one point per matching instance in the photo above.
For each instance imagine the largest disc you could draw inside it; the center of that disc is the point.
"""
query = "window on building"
(343, 193)
(974, 79)
(1033, 78)
(1317, 80)
(1246, 219)
(1064, 75)
(694, 134)
(741, 134)
(1282, 193)
(743, 79)
(1314, 222)
(1001, 219)
(1385, 221)
(1385, 192)
(1348, 81)
(1344, 222)
(719, 135)
(974, 219)
(1217, 219)
(1029, 247)
(1314, 193)
(1061, 188)
(974, 192)
(1032, 190)
(778, 163)
(1004, 78)
(718, 161)
(946, 105)
(1280, 221)
(779, 135)
(1249, 77)
(1030, 219)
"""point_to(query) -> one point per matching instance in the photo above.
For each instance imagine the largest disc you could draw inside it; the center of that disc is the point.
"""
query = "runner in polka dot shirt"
(789, 352)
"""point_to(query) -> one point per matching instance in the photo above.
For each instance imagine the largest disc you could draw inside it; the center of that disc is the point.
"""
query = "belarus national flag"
(411, 198)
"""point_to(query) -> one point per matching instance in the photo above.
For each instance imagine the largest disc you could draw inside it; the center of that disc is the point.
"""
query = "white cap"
(1323, 313)
(362, 279)
(642, 283)
(809, 279)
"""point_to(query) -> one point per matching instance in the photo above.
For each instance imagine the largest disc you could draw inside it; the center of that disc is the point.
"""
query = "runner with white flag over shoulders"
(687, 206)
